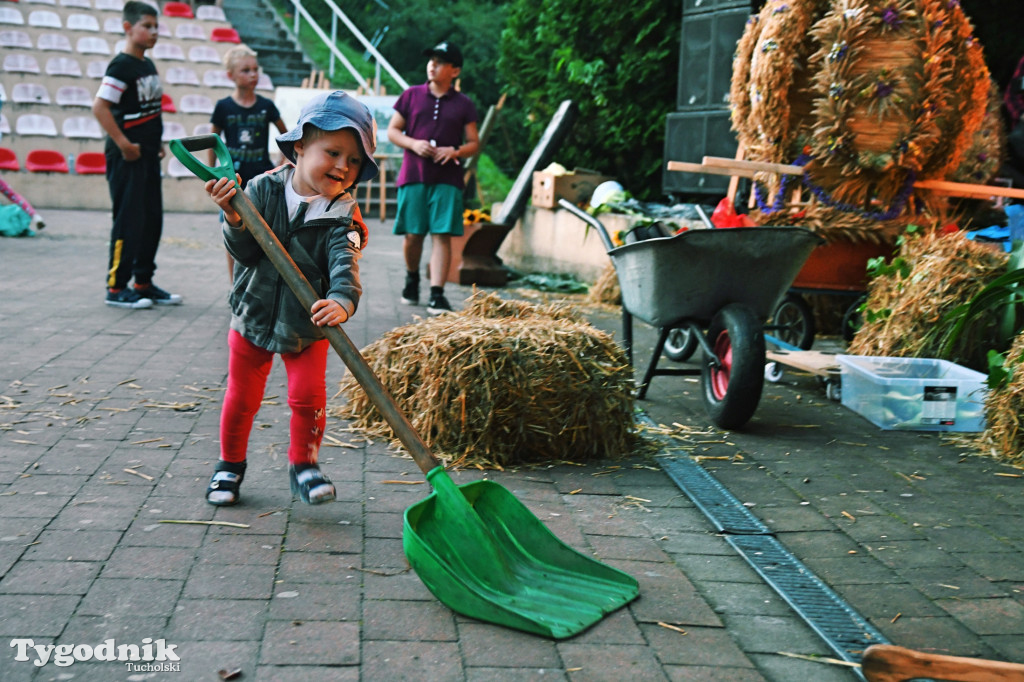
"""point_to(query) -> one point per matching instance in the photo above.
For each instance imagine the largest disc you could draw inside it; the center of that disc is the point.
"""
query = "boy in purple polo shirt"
(436, 126)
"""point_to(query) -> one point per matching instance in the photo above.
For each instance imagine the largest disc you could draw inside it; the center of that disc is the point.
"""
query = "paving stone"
(885, 601)
(35, 615)
(324, 537)
(819, 544)
(309, 601)
(744, 598)
(905, 554)
(149, 532)
(403, 585)
(987, 616)
(859, 569)
(968, 539)
(80, 545)
(514, 675)
(168, 563)
(720, 568)
(694, 673)
(785, 669)
(424, 621)
(953, 583)
(607, 662)
(306, 673)
(696, 543)
(218, 619)
(699, 646)
(230, 581)
(50, 577)
(386, 525)
(491, 646)
(405, 660)
(942, 635)
(666, 594)
(130, 597)
(995, 566)
(384, 554)
(202, 660)
(240, 549)
(96, 513)
(626, 548)
(771, 634)
(1007, 647)
(127, 629)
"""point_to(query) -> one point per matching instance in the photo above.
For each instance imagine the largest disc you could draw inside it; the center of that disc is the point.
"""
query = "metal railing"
(331, 42)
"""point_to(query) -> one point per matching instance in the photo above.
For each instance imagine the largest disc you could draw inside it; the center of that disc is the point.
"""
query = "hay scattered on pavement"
(503, 382)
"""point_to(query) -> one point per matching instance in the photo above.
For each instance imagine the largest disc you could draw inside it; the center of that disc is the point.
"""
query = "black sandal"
(224, 485)
(310, 484)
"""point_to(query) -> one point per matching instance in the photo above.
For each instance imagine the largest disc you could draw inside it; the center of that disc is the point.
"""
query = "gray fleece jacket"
(327, 250)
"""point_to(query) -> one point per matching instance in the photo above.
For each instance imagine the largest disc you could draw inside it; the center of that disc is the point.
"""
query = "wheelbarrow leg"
(627, 334)
(652, 366)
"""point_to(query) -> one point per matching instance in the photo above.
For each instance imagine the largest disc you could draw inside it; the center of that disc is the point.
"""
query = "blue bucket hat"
(334, 111)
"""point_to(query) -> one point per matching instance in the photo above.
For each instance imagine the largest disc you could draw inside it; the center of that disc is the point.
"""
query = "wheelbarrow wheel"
(732, 389)
(793, 321)
(680, 344)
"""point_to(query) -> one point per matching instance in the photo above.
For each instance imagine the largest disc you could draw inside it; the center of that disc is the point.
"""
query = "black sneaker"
(438, 304)
(411, 292)
(128, 298)
(158, 295)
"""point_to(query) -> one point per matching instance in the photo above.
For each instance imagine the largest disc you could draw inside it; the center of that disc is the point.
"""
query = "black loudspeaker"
(690, 136)
(705, 55)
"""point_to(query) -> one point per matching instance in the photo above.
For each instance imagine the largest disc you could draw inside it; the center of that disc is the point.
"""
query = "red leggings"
(248, 368)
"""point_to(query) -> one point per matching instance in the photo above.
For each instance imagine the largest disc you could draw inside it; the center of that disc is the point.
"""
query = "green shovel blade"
(182, 149)
(482, 553)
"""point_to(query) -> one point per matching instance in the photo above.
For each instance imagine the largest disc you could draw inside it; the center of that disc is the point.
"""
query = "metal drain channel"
(845, 631)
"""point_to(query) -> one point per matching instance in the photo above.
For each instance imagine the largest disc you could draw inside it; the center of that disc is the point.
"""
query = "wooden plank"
(753, 166)
(961, 189)
(688, 167)
(814, 361)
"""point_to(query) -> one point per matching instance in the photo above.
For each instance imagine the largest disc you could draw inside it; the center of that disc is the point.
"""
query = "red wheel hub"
(720, 375)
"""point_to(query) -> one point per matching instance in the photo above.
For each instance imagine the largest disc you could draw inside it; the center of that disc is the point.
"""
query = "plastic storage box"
(918, 394)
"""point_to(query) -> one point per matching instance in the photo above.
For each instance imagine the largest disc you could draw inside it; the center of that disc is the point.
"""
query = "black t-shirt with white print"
(133, 86)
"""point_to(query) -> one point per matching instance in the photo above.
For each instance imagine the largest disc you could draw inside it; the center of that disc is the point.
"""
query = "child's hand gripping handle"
(300, 286)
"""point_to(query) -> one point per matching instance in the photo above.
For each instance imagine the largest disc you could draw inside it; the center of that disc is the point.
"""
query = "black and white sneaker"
(411, 291)
(128, 298)
(438, 304)
(158, 295)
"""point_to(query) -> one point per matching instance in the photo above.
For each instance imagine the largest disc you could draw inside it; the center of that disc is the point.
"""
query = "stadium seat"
(44, 18)
(83, 22)
(5, 125)
(217, 78)
(224, 34)
(202, 128)
(53, 42)
(189, 31)
(210, 13)
(168, 51)
(19, 62)
(92, 45)
(46, 161)
(35, 124)
(167, 104)
(29, 93)
(113, 25)
(196, 104)
(178, 9)
(164, 31)
(172, 131)
(16, 39)
(3, 93)
(42, 2)
(91, 163)
(110, 5)
(84, 4)
(73, 96)
(176, 169)
(264, 82)
(63, 66)
(8, 160)
(97, 68)
(204, 53)
(10, 15)
(181, 75)
(81, 128)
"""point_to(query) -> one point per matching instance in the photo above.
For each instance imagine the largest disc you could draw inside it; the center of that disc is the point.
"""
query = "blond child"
(309, 208)
(244, 118)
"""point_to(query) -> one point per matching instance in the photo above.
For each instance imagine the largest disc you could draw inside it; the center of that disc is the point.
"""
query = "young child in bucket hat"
(310, 209)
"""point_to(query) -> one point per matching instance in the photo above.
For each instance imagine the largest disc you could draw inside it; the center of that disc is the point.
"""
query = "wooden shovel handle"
(889, 663)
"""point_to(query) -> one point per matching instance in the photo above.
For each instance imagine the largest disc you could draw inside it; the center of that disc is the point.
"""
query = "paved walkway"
(108, 426)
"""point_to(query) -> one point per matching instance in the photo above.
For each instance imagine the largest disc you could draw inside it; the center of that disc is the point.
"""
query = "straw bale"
(606, 289)
(504, 382)
(1003, 437)
(942, 271)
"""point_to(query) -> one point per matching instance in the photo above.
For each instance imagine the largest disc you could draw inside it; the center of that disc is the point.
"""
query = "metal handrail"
(301, 12)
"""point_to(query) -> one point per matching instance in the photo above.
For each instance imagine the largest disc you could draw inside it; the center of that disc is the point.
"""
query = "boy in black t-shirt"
(128, 106)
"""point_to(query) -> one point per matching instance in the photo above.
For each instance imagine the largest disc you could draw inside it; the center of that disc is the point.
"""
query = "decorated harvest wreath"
(869, 96)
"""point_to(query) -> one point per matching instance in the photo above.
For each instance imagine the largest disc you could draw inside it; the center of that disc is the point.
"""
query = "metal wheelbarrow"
(480, 550)
(725, 281)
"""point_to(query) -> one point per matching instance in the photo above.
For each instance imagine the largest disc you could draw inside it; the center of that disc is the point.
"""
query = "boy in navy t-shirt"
(128, 107)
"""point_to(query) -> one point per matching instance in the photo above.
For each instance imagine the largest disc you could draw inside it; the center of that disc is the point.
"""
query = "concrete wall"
(90, 192)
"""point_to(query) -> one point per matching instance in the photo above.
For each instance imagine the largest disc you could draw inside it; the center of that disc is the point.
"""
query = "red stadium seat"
(46, 161)
(178, 9)
(167, 104)
(223, 34)
(8, 160)
(91, 163)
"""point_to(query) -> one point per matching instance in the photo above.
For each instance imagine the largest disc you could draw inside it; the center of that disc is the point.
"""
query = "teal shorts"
(429, 209)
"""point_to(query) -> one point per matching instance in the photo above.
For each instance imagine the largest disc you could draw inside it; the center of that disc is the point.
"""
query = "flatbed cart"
(724, 281)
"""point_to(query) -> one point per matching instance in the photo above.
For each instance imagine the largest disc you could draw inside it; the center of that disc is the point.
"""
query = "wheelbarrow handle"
(589, 220)
(303, 290)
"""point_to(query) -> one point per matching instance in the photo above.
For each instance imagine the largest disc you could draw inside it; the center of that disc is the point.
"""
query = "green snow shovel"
(475, 546)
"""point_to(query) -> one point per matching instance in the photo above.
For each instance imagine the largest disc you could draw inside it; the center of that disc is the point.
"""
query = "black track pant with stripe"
(137, 200)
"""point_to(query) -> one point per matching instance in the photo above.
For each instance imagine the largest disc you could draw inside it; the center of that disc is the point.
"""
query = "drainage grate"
(845, 631)
(842, 628)
(720, 506)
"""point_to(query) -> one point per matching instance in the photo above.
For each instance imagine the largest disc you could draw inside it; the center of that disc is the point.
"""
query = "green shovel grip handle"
(183, 148)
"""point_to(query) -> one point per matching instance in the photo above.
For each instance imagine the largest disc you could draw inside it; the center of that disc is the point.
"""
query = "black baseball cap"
(446, 52)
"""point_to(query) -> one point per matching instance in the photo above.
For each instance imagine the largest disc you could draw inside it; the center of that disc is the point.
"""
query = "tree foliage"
(618, 61)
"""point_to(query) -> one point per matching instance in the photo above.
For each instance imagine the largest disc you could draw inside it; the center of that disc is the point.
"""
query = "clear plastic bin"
(919, 394)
